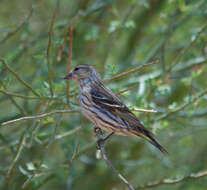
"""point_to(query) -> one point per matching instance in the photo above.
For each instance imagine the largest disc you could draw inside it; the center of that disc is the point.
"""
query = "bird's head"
(83, 72)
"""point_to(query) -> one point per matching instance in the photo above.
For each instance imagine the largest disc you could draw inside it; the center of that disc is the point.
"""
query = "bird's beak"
(69, 76)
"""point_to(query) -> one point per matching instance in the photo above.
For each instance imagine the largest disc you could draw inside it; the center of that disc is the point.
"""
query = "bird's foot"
(101, 142)
(98, 132)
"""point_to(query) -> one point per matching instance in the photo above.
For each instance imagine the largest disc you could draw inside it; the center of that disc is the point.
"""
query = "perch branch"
(100, 143)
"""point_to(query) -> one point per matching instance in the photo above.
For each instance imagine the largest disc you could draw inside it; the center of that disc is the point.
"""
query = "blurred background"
(56, 148)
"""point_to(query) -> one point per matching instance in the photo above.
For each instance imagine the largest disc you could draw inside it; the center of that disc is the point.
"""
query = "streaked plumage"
(104, 109)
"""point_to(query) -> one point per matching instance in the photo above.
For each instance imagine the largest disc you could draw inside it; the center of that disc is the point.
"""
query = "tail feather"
(159, 146)
(149, 137)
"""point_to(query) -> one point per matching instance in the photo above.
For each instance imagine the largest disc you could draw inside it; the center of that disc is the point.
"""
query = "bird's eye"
(76, 69)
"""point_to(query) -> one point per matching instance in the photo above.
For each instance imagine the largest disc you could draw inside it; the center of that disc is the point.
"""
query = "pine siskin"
(104, 109)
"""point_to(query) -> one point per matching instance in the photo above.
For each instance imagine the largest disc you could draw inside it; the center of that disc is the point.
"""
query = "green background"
(59, 151)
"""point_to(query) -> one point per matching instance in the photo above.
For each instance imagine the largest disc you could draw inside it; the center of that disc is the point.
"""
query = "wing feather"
(107, 100)
(111, 103)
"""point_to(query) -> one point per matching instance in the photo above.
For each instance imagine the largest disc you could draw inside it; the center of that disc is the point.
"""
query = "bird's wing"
(109, 101)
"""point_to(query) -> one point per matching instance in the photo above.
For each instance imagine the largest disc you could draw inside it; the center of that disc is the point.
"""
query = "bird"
(104, 109)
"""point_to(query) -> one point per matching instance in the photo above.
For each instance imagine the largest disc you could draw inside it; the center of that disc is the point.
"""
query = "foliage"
(152, 53)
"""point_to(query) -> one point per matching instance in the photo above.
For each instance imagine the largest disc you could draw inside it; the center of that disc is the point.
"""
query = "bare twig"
(101, 148)
(131, 71)
(187, 49)
(114, 169)
(144, 110)
(185, 66)
(57, 137)
(57, 124)
(38, 116)
(196, 98)
(79, 15)
(28, 97)
(11, 33)
(14, 162)
(12, 99)
(75, 152)
(49, 49)
(5, 141)
(39, 185)
(69, 61)
(126, 90)
(68, 133)
(192, 63)
(135, 109)
(195, 176)
(18, 77)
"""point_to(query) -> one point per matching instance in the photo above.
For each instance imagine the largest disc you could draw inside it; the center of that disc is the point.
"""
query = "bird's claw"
(100, 142)
(98, 132)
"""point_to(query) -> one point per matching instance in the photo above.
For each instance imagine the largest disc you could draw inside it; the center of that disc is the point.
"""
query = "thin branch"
(196, 98)
(187, 49)
(68, 133)
(101, 148)
(79, 15)
(11, 33)
(14, 162)
(126, 90)
(15, 74)
(11, 144)
(40, 184)
(69, 61)
(131, 71)
(60, 52)
(52, 136)
(189, 64)
(95, 7)
(49, 49)
(84, 150)
(5, 141)
(75, 152)
(57, 137)
(144, 110)
(195, 176)
(57, 124)
(28, 97)
(135, 109)
(38, 116)
(185, 66)
(12, 99)
(197, 113)
(114, 169)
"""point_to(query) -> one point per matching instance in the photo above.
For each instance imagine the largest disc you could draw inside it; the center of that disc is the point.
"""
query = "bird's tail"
(159, 146)
(149, 137)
